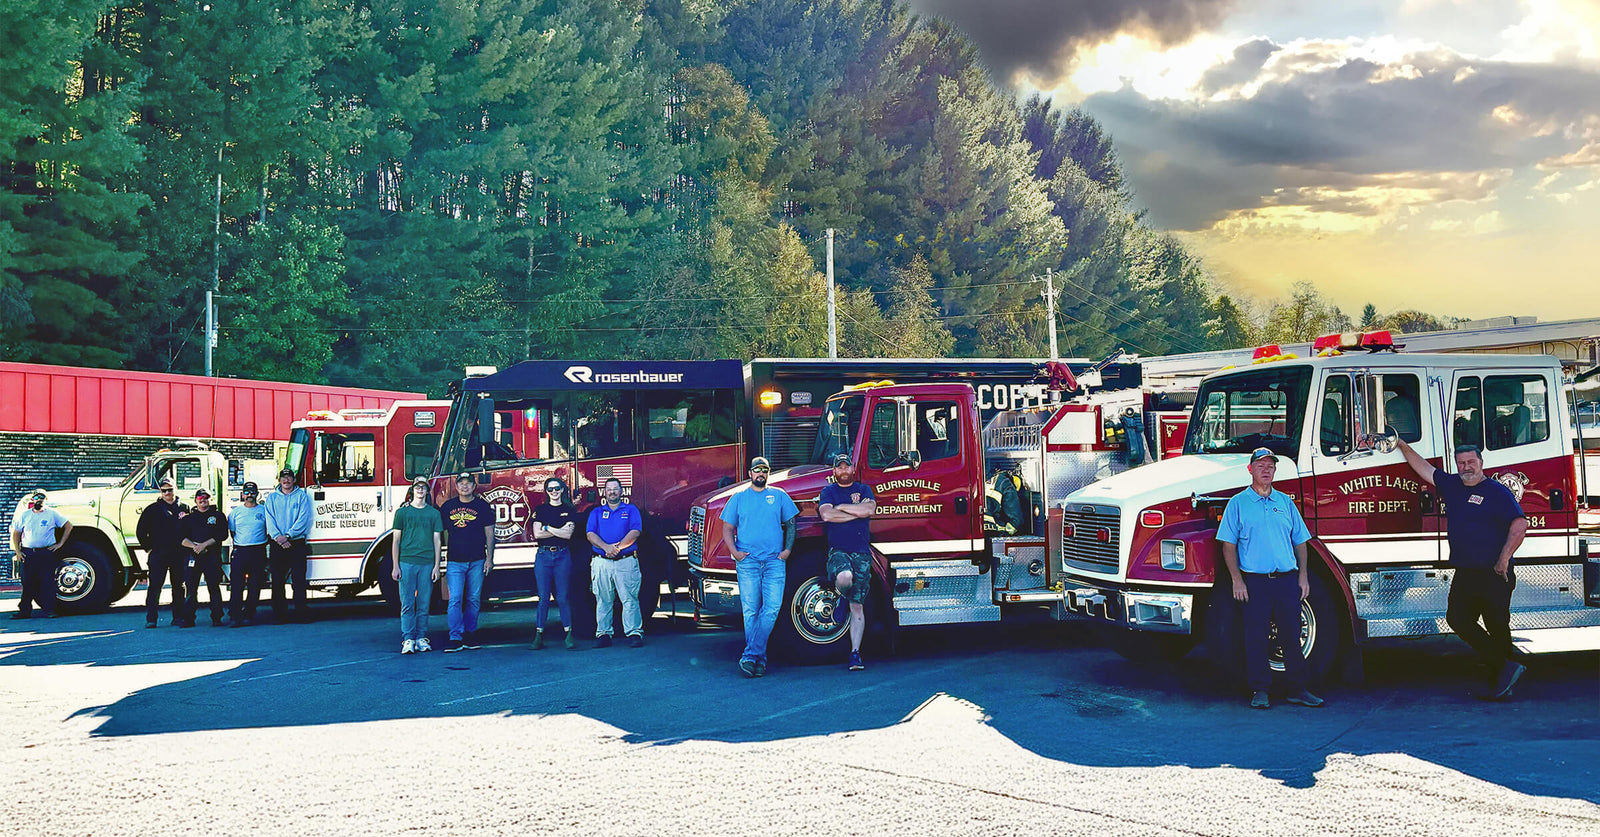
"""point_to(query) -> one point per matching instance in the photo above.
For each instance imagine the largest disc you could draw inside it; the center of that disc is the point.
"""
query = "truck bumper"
(714, 593)
(1166, 612)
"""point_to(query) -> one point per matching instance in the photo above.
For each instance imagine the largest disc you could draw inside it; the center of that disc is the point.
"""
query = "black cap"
(760, 462)
(250, 488)
(201, 492)
(841, 459)
(463, 476)
(286, 472)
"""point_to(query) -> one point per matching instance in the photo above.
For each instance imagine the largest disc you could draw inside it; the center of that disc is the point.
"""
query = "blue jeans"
(416, 588)
(552, 569)
(463, 577)
(761, 582)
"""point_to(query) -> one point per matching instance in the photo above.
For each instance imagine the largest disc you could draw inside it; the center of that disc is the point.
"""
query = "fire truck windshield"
(836, 433)
(1240, 412)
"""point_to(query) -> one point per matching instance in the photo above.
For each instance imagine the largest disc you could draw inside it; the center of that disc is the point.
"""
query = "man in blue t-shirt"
(1485, 525)
(759, 531)
(1263, 541)
(845, 507)
(613, 530)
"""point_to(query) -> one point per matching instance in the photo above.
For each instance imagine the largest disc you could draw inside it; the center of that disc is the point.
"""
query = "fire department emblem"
(1517, 482)
(510, 512)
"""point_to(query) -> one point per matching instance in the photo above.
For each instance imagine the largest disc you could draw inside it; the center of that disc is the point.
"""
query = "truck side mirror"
(906, 435)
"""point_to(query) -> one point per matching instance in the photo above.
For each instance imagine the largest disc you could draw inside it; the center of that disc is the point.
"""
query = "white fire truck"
(1138, 550)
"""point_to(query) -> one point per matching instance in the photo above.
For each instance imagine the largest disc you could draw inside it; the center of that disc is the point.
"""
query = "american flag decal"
(622, 473)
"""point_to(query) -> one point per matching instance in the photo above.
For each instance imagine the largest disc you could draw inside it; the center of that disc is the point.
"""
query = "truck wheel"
(806, 633)
(85, 581)
(1320, 634)
(1146, 647)
(388, 586)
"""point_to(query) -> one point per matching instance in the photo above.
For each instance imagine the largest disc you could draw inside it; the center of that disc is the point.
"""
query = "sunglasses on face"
(553, 489)
(166, 491)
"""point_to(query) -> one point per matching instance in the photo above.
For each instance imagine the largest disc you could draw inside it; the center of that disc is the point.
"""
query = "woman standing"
(416, 565)
(554, 523)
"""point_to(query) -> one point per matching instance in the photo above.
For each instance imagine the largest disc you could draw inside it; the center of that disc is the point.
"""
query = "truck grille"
(1095, 537)
(697, 534)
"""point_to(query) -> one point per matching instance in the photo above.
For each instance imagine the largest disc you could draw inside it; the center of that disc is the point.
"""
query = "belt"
(1275, 573)
(618, 558)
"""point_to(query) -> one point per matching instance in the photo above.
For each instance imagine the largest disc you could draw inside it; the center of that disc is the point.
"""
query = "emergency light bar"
(1372, 341)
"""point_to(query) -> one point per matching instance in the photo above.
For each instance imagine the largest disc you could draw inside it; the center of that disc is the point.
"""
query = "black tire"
(1322, 635)
(1151, 647)
(805, 633)
(85, 579)
(388, 586)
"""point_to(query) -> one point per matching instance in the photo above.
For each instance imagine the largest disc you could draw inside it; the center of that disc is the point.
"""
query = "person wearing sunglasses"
(469, 527)
(247, 566)
(160, 533)
(36, 536)
(554, 522)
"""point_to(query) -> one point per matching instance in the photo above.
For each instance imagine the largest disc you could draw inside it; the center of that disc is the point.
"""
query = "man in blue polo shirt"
(613, 530)
(1264, 545)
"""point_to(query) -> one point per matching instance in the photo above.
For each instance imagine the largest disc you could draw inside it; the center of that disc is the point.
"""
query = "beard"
(760, 482)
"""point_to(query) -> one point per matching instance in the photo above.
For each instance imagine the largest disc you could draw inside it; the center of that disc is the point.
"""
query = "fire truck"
(929, 458)
(1138, 550)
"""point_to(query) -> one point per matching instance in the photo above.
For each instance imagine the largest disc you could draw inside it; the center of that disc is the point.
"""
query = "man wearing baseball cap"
(846, 508)
(248, 563)
(469, 554)
(161, 537)
(204, 530)
(1263, 542)
(759, 532)
(288, 525)
(37, 534)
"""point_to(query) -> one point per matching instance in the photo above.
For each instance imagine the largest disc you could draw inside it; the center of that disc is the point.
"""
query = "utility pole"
(1049, 295)
(833, 323)
(216, 270)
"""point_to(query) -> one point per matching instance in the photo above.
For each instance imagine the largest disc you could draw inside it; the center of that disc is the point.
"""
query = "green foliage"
(276, 308)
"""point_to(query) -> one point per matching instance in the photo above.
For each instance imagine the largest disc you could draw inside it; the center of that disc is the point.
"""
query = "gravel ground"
(945, 768)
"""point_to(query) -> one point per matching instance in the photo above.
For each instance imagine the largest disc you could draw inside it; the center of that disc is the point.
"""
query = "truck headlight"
(1172, 557)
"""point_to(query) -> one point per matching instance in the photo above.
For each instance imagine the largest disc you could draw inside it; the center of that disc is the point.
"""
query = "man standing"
(1485, 526)
(36, 536)
(160, 534)
(845, 507)
(469, 526)
(1264, 545)
(248, 526)
(288, 526)
(613, 530)
(416, 565)
(759, 532)
(204, 530)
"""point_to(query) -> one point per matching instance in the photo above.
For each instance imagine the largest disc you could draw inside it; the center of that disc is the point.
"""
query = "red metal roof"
(36, 398)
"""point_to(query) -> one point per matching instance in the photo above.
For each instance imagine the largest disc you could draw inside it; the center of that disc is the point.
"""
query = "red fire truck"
(928, 457)
(1138, 550)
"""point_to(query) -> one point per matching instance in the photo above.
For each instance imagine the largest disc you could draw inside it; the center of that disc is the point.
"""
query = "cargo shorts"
(860, 566)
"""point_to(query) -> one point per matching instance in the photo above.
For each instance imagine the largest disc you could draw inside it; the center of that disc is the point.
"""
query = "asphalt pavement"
(1024, 726)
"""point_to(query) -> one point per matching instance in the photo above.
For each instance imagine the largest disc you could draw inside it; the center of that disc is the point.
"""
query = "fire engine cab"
(1139, 549)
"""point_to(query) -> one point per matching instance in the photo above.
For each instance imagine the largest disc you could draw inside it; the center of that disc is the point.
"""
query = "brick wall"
(56, 461)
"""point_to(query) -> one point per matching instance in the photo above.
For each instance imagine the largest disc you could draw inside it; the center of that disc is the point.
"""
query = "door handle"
(961, 505)
(1425, 502)
(1558, 501)
(380, 501)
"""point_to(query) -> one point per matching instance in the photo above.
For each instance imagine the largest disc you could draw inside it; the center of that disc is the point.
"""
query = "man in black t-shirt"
(469, 528)
(1486, 525)
(204, 530)
(846, 507)
(160, 532)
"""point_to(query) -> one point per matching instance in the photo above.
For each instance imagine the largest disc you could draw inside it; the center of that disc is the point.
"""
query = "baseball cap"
(165, 482)
(463, 476)
(36, 494)
(1260, 453)
(286, 472)
(760, 462)
(201, 492)
(250, 488)
(841, 459)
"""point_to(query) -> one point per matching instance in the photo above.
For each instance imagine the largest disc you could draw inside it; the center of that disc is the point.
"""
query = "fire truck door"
(1370, 507)
(349, 506)
(917, 460)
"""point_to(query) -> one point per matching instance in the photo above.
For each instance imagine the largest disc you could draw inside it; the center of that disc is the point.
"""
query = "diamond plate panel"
(941, 592)
(1412, 602)
(1013, 557)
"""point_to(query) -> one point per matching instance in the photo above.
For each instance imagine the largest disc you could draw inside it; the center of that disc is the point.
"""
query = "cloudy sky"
(1442, 155)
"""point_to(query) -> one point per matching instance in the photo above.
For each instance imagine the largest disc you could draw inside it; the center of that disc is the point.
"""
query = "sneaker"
(189, 624)
(1259, 700)
(455, 645)
(572, 644)
(424, 646)
(471, 641)
(538, 640)
(748, 666)
(761, 668)
(635, 641)
(1509, 675)
(408, 647)
(216, 621)
(855, 661)
(1304, 698)
(149, 624)
(20, 615)
(602, 641)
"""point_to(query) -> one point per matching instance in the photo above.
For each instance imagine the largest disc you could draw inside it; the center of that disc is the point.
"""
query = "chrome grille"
(697, 533)
(1084, 550)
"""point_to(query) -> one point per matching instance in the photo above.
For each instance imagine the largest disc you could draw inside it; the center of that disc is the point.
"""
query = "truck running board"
(943, 593)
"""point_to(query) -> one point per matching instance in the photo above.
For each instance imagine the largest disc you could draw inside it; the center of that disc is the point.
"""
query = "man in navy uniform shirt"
(846, 507)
